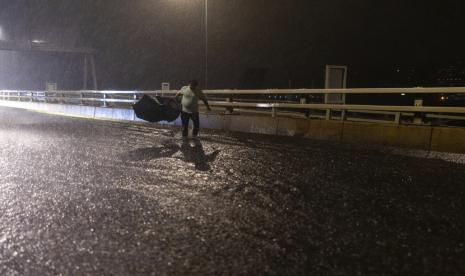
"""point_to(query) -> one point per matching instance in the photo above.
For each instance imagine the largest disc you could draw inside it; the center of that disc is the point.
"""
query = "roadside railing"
(305, 103)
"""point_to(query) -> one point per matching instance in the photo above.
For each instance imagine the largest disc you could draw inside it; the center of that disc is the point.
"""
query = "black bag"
(157, 109)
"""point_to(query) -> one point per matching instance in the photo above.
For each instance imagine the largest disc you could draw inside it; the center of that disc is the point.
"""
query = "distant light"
(38, 41)
(403, 94)
(443, 98)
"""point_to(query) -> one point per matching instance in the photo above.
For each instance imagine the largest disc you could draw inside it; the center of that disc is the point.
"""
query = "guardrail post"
(418, 119)
(32, 97)
(273, 112)
(229, 109)
(81, 102)
(343, 115)
(303, 100)
(328, 114)
(397, 118)
(104, 100)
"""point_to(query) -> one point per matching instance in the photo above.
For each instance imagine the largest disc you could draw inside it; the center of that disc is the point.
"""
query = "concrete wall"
(444, 139)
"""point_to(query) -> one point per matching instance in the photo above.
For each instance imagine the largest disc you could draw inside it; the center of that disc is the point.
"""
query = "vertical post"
(104, 100)
(397, 118)
(229, 109)
(303, 100)
(273, 112)
(328, 114)
(418, 119)
(84, 85)
(94, 74)
(206, 44)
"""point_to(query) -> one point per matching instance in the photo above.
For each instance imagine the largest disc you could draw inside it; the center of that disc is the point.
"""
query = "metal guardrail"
(230, 100)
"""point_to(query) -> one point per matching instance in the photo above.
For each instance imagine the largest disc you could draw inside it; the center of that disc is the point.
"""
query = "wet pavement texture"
(83, 197)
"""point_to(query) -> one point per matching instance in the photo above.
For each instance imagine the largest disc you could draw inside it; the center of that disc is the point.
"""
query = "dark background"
(252, 43)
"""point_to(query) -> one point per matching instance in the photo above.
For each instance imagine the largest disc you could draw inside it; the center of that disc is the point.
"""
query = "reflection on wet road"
(82, 197)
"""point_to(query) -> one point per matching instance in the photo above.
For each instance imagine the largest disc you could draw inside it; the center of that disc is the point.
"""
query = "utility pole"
(206, 44)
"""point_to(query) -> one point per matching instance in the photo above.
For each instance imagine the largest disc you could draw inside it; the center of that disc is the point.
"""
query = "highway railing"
(284, 102)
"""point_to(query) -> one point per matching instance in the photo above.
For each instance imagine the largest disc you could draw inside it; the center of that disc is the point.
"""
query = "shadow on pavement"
(194, 153)
(192, 150)
(147, 154)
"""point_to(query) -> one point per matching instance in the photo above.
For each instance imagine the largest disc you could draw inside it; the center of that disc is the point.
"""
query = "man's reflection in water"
(193, 152)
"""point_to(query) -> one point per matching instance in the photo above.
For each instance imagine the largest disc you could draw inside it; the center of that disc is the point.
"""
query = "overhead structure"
(88, 55)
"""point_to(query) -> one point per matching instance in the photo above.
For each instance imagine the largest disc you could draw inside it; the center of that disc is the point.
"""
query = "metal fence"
(305, 103)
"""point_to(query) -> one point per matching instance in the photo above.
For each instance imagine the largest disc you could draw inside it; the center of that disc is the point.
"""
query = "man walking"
(191, 95)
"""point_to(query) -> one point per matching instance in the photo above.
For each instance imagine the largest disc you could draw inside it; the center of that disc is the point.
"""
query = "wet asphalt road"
(82, 197)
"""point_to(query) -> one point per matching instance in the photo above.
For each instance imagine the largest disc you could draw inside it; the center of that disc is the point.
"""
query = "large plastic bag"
(157, 109)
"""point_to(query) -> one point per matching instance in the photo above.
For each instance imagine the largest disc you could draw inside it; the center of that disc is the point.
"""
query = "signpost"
(50, 86)
(165, 86)
(336, 78)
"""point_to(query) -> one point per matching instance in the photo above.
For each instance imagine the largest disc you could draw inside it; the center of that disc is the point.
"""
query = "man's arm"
(205, 101)
(179, 93)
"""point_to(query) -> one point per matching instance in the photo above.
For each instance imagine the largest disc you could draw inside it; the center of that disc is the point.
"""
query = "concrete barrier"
(409, 136)
(448, 139)
(292, 127)
(252, 124)
(213, 121)
(354, 132)
(415, 137)
(79, 110)
(325, 130)
(114, 113)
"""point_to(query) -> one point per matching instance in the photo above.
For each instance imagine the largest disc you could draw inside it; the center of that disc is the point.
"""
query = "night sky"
(142, 43)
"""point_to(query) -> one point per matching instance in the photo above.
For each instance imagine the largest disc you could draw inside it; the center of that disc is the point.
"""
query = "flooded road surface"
(83, 197)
